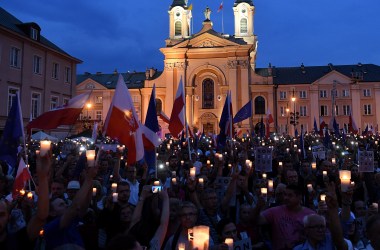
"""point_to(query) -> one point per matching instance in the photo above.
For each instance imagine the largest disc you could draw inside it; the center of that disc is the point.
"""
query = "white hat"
(73, 185)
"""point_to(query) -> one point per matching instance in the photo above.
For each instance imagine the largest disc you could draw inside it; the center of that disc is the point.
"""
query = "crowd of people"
(297, 203)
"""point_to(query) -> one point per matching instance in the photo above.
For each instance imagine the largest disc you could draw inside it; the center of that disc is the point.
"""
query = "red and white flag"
(22, 176)
(122, 122)
(322, 126)
(65, 115)
(220, 7)
(352, 128)
(164, 117)
(269, 117)
(177, 117)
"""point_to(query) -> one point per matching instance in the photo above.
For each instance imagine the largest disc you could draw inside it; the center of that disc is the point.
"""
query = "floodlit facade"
(211, 63)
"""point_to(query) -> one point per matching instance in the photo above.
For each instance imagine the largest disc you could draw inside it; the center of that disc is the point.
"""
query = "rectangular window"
(282, 95)
(323, 110)
(15, 57)
(11, 95)
(367, 109)
(98, 115)
(33, 33)
(366, 92)
(36, 105)
(55, 71)
(345, 93)
(303, 111)
(37, 64)
(336, 110)
(323, 94)
(303, 94)
(346, 109)
(98, 99)
(54, 102)
(67, 75)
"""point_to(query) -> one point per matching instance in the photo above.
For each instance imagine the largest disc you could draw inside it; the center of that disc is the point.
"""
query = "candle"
(114, 197)
(208, 162)
(344, 174)
(247, 162)
(280, 163)
(181, 246)
(90, 154)
(309, 188)
(230, 243)
(168, 146)
(174, 180)
(22, 192)
(167, 164)
(264, 176)
(263, 144)
(156, 183)
(313, 165)
(44, 147)
(375, 205)
(333, 161)
(220, 156)
(201, 236)
(114, 187)
(200, 180)
(37, 152)
(287, 150)
(30, 195)
(182, 162)
(93, 192)
(264, 191)
(324, 174)
(121, 157)
(323, 197)
(156, 154)
(192, 173)
(270, 185)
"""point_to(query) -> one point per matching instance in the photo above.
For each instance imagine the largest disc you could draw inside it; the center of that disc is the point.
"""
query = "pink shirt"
(287, 226)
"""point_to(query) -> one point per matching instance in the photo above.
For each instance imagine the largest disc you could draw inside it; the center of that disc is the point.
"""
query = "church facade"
(210, 64)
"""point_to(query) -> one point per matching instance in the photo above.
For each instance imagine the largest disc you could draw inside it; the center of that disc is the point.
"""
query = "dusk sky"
(127, 34)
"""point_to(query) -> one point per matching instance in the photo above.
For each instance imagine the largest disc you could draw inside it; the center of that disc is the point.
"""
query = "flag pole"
(222, 20)
(186, 124)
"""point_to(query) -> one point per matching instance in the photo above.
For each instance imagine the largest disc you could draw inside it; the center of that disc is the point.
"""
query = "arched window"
(208, 94)
(178, 28)
(259, 105)
(243, 25)
(158, 106)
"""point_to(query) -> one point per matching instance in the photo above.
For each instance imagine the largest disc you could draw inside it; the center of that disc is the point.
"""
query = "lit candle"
(114, 197)
(167, 164)
(323, 197)
(313, 165)
(324, 173)
(344, 174)
(41, 233)
(264, 191)
(44, 147)
(200, 181)
(345, 184)
(270, 185)
(264, 176)
(201, 237)
(168, 146)
(309, 188)
(230, 243)
(287, 150)
(208, 162)
(22, 192)
(182, 162)
(156, 183)
(192, 173)
(247, 162)
(181, 246)
(156, 154)
(280, 163)
(90, 154)
(174, 180)
(114, 187)
(333, 161)
(93, 192)
(375, 205)
(263, 144)
(30, 195)
(221, 157)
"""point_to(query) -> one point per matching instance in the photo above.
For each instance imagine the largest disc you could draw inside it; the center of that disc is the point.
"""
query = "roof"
(243, 1)
(178, 3)
(306, 75)
(11, 23)
(134, 80)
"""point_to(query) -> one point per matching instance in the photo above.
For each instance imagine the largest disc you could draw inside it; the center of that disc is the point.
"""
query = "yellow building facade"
(211, 63)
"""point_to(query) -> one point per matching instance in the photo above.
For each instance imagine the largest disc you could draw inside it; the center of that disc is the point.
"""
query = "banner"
(263, 159)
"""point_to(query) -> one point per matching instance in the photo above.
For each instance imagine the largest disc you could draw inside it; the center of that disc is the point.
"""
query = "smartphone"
(156, 189)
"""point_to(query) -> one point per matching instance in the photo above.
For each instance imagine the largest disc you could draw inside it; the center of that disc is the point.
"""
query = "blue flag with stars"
(244, 113)
(13, 134)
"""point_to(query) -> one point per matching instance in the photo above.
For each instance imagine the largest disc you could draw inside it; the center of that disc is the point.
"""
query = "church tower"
(179, 22)
(243, 13)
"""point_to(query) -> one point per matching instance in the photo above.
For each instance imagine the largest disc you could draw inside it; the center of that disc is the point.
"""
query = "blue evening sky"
(127, 34)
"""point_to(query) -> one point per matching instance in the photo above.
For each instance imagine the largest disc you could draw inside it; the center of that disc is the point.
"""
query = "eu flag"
(336, 128)
(224, 122)
(244, 113)
(13, 134)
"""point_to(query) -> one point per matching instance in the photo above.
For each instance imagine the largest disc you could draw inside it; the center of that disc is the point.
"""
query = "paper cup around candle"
(200, 181)
(344, 174)
(156, 183)
(264, 176)
(324, 174)
(22, 192)
(192, 173)
(323, 197)
(115, 197)
(114, 187)
(345, 184)
(93, 192)
(174, 180)
(30, 195)
(270, 185)
(90, 154)
(201, 236)
(309, 188)
(230, 243)
(182, 162)
(181, 246)
(44, 147)
(313, 165)
(333, 161)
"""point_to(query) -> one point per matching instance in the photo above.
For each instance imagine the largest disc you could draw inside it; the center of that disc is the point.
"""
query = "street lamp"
(287, 119)
(87, 118)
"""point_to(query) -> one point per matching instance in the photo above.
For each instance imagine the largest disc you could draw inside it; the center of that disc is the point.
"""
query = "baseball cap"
(73, 185)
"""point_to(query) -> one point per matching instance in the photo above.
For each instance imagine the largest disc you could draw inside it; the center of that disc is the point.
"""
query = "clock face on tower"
(177, 14)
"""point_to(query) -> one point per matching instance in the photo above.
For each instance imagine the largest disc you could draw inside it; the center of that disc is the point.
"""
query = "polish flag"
(123, 124)
(322, 126)
(65, 115)
(22, 177)
(164, 117)
(352, 128)
(177, 118)
(220, 7)
(269, 121)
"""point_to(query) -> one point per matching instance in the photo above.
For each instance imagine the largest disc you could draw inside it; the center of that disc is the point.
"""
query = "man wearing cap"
(72, 189)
